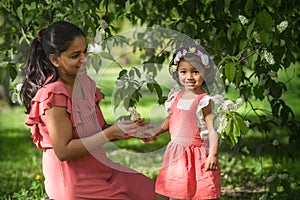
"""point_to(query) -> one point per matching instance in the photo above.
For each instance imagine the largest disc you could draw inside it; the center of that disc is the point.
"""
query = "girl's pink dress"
(92, 176)
(183, 175)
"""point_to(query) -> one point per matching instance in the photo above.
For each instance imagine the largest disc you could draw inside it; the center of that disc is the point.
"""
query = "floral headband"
(183, 52)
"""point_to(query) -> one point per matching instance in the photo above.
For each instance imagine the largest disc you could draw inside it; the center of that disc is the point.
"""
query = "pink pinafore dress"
(183, 175)
(92, 176)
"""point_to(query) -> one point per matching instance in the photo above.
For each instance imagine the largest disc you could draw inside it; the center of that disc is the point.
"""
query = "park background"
(254, 43)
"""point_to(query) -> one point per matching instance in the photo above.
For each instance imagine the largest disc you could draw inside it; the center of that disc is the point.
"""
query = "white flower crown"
(203, 56)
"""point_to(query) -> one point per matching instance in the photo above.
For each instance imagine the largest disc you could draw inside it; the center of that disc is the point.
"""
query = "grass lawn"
(246, 169)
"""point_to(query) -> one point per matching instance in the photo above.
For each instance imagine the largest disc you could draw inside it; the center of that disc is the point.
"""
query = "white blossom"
(272, 73)
(247, 123)
(262, 79)
(120, 83)
(99, 34)
(269, 57)
(239, 102)
(218, 99)
(282, 43)
(243, 19)
(275, 143)
(148, 77)
(134, 114)
(283, 176)
(266, 92)
(103, 24)
(18, 87)
(229, 105)
(256, 36)
(94, 48)
(271, 178)
(282, 26)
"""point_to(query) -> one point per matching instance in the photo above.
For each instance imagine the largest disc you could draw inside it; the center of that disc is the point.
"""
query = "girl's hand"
(148, 132)
(211, 163)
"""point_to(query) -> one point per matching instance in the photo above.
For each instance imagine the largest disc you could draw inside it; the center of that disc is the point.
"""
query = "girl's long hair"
(53, 40)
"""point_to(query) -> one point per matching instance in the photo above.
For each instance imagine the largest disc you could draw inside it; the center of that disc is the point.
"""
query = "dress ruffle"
(52, 94)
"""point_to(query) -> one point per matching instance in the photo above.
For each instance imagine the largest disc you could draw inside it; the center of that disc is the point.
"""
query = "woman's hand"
(122, 130)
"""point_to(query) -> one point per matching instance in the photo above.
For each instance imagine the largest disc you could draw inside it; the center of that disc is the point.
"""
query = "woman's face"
(190, 77)
(70, 61)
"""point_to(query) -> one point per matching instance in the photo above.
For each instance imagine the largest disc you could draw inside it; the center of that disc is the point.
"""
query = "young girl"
(190, 169)
(67, 124)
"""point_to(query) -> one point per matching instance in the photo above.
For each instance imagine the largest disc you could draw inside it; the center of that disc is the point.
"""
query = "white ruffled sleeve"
(200, 118)
(171, 97)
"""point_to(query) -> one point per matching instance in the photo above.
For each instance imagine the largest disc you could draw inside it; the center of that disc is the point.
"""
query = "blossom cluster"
(134, 114)
(269, 57)
(223, 106)
(256, 36)
(273, 177)
(282, 26)
(243, 19)
(96, 47)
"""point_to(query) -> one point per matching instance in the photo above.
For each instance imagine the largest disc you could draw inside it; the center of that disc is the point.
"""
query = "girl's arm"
(149, 132)
(66, 147)
(213, 137)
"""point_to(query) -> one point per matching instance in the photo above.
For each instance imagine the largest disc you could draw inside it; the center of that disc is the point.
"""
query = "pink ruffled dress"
(183, 175)
(92, 176)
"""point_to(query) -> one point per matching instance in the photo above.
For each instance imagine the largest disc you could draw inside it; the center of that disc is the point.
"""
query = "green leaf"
(150, 87)
(236, 132)
(137, 72)
(229, 33)
(96, 62)
(238, 76)
(248, 6)
(264, 19)
(230, 71)
(275, 109)
(237, 28)
(122, 73)
(107, 56)
(266, 37)
(229, 129)
(258, 92)
(243, 44)
(158, 90)
(241, 123)
(12, 71)
(250, 28)
(20, 12)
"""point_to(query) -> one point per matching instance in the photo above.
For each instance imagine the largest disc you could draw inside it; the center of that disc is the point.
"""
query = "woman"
(66, 122)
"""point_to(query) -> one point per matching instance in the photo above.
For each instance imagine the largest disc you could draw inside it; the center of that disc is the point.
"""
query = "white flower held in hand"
(134, 115)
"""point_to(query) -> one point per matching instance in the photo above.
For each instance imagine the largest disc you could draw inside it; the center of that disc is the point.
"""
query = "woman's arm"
(66, 147)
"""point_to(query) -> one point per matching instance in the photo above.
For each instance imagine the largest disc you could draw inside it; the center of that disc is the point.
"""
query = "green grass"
(20, 161)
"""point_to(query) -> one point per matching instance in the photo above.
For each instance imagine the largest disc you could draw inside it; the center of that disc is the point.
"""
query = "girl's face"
(190, 77)
(69, 62)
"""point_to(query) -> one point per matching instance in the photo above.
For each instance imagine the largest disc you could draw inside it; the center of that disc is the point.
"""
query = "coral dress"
(92, 176)
(183, 175)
